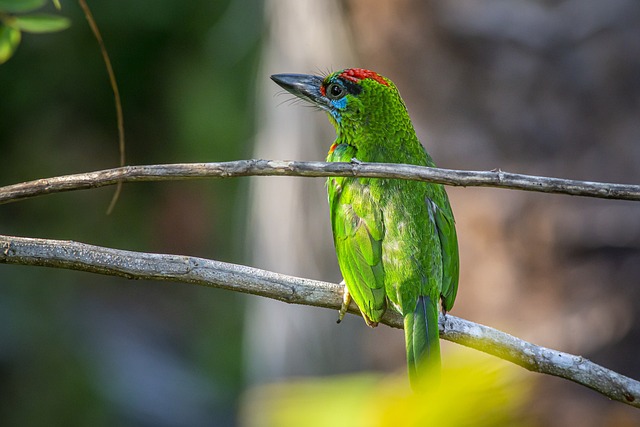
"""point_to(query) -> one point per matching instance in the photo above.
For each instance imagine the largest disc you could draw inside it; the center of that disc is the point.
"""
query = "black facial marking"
(351, 87)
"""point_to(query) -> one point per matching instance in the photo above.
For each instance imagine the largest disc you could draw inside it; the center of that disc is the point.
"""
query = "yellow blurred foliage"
(475, 390)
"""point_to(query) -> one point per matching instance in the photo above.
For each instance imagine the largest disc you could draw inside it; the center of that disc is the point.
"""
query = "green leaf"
(41, 23)
(14, 6)
(9, 41)
(57, 4)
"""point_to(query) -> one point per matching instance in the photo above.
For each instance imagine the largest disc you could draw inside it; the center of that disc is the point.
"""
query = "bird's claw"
(346, 300)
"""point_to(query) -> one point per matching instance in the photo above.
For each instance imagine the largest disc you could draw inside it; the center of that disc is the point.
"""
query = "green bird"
(395, 240)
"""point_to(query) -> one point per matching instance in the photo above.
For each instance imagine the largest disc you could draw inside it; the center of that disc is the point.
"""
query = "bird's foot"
(346, 300)
(355, 161)
(444, 320)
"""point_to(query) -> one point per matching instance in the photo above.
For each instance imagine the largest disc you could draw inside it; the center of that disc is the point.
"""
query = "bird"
(395, 240)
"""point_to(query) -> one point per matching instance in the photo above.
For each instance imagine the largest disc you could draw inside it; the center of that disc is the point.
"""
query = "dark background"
(541, 87)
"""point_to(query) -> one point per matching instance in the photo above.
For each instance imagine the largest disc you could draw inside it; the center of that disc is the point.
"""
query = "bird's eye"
(335, 91)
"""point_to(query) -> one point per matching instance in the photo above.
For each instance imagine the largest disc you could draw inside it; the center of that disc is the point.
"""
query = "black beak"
(303, 86)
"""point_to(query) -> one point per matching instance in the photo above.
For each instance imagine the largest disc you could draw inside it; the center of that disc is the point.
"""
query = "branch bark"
(294, 290)
(463, 178)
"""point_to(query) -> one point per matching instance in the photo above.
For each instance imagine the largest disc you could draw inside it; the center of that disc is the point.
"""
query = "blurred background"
(532, 86)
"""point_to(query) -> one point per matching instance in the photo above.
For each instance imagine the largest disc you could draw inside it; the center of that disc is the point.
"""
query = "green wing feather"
(446, 227)
(357, 232)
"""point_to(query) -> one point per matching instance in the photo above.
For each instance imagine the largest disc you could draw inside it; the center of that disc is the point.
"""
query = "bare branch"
(318, 169)
(203, 272)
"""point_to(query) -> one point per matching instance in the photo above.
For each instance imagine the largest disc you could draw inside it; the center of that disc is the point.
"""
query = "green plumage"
(395, 240)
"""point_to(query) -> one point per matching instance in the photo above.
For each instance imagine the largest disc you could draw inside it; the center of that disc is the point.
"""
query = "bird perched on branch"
(395, 240)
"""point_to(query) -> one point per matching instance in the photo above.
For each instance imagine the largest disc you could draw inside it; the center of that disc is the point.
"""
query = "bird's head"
(355, 98)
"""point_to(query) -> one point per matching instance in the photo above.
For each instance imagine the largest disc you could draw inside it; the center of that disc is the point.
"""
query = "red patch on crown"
(356, 74)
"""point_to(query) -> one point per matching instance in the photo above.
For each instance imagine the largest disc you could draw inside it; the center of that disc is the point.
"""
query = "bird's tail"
(423, 342)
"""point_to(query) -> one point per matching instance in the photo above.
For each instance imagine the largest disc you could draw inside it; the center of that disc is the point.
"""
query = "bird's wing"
(446, 227)
(358, 230)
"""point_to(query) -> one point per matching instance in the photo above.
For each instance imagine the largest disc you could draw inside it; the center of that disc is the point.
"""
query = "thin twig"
(116, 96)
(203, 272)
(237, 168)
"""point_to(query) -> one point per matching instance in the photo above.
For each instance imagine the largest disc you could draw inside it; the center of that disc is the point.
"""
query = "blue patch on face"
(337, 106)
(340, 104)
